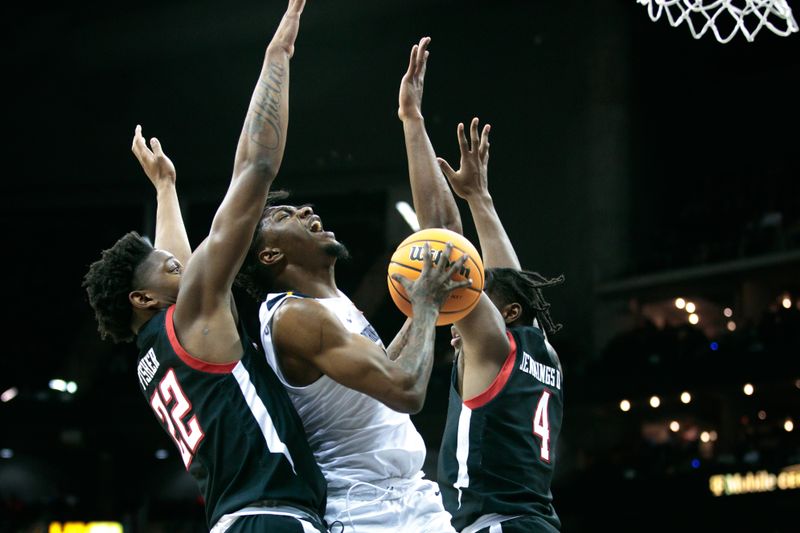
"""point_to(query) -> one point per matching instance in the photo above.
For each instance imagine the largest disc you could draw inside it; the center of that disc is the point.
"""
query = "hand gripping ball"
(408, 261)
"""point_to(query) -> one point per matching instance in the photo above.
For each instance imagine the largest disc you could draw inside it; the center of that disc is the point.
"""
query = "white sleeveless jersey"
(354, 437)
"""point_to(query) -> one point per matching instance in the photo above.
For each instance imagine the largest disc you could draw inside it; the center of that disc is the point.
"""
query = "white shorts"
(392, 506)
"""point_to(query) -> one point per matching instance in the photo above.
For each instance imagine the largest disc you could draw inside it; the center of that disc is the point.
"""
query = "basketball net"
(725, 18)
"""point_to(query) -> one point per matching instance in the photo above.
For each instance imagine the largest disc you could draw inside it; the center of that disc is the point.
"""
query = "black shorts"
(261, 523)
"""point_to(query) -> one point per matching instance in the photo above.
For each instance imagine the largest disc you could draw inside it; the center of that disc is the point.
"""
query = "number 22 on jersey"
(541, 425)
(187, 439)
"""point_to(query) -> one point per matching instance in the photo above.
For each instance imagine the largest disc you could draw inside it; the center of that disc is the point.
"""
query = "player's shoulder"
(302, 314)
(533, 339)
(528, 334)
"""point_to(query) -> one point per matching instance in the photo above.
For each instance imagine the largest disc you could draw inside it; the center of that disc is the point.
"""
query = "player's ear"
(270, 256)
(511, 312)
(141, 300)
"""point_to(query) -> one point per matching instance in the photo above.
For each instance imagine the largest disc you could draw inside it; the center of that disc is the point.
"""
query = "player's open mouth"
(315, 226)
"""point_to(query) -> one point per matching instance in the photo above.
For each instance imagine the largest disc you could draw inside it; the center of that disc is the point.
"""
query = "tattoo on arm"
(416, 355)
(266, 108)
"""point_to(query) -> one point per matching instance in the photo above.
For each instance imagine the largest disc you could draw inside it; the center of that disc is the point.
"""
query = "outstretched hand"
(435, 283)
(413, 82)
(155, 163)
(471, 178)
(286, 34)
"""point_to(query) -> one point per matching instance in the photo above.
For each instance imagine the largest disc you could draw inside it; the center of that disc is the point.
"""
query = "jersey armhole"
(186, 357)
(499, 381)
(271, 354)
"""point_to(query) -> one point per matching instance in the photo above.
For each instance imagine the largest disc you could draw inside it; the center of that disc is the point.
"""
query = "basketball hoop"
(726, 18)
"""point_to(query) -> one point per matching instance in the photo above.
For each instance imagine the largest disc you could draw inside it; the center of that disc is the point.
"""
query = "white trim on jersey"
(260, 413)
(492, 520)
(462, 450)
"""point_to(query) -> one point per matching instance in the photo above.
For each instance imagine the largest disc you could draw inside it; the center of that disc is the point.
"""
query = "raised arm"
(203, 302)
(470, 182)
(433, 201)
(306, 332)
(170, 230)
(258, 157)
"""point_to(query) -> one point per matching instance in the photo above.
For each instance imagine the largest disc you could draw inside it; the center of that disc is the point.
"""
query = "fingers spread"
(402, 280)
(426, 256)
(473, 134)
(462, 139)
(484, 149)
(458, 265)
(459, 284)
(444, 257)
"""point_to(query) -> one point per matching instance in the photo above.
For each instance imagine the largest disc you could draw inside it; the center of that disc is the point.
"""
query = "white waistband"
(227, 520)
(367, 490)
(487, 520)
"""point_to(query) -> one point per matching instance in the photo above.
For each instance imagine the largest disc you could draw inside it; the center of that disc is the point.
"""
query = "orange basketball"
(408, 261)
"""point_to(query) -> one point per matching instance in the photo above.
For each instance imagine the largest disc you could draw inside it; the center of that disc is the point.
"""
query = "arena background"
(641, 163)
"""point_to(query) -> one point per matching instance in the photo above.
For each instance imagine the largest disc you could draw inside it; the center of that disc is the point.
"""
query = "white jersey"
(354, 437)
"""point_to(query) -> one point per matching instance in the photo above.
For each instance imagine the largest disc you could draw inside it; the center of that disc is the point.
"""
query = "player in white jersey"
(353, 395)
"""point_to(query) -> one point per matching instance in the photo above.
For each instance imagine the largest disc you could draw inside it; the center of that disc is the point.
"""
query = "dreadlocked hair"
(524, 287)
(253, 277)
(109, 281)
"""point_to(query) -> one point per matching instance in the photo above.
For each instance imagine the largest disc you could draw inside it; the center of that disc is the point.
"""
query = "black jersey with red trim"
(234, 425)
(498, 450)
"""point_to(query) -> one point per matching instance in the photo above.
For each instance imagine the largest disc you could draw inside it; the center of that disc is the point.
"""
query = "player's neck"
(317, 283)
(140, 318)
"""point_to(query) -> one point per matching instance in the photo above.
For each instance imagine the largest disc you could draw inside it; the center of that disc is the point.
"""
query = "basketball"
(407, 260)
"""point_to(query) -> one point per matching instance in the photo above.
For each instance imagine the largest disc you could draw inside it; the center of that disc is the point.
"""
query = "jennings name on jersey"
(235, 428)
(498, 449)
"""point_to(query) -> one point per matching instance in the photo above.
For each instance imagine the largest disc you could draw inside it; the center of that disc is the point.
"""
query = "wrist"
(423, 311)
(480, 198)
(165, 188)
(412, 117)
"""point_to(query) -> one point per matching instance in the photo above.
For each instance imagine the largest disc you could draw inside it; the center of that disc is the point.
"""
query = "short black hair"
(109, 281)
(525, 288)
(253, 277)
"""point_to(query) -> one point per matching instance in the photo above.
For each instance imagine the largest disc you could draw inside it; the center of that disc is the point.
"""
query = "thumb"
(446, 168)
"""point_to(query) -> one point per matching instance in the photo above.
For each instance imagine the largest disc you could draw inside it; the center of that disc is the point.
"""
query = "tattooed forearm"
(264, 127)
(416, 355)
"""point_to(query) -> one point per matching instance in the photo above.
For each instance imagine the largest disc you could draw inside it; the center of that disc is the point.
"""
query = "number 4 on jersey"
(541, 425)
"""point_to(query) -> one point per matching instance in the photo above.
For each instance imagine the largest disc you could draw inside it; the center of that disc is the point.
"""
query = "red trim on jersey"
(193, 362)
(499, 381)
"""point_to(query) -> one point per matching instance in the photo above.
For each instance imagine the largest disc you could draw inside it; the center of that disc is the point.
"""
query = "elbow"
(415, 405)
(252, 164)
(264, 167)
(411, 397)
(453, 224)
